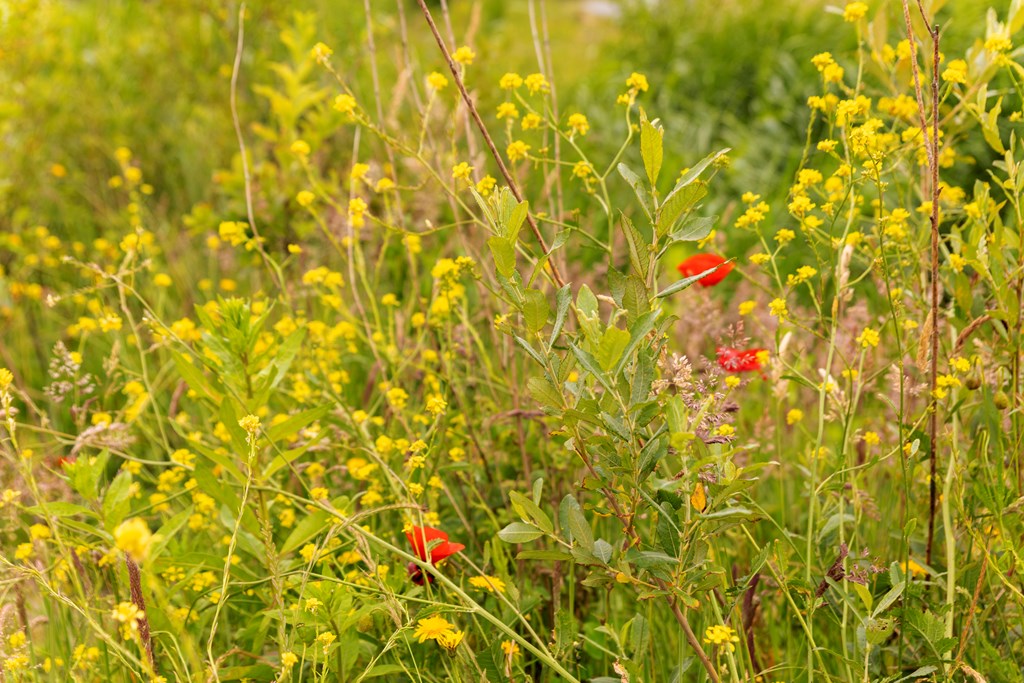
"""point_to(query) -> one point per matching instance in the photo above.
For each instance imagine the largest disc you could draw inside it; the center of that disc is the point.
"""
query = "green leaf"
(550, 555)
(311, 525)
(638, 187)
(166, 533)
(650, 148)
(577, 523)
(639, 634)
(530, 511)
(639, 254)
(530, 350)
(613, 343)
(59, 509)
(603, 550)
(586, 302)
(680, 285)
(504, 254)
(695, 172)
(639, 331)
(562, 301)
(694, 229)
(678, 202)
(535, 310)
(520, 532)
(117, 500)
(195, 378)
(590, 364)
(544, 392)
(296, 423)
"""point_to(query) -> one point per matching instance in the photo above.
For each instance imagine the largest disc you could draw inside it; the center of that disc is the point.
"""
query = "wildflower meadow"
(512, 340)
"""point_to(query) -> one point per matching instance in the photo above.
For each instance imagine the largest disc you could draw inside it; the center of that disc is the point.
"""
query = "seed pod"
(973, 381)
(1001, 400)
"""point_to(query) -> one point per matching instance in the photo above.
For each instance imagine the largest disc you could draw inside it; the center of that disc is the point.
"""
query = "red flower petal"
(421, 537)
(698, 263)
(740, 360)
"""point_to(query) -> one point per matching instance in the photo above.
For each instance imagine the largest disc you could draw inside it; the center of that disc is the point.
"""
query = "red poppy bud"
(740, 360)
(699, 263)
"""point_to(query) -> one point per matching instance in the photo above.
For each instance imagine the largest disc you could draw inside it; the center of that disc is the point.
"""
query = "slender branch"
(555, 274)
(931, 141)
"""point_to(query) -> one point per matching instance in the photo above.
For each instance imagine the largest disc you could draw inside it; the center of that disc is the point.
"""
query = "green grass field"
(577, 341)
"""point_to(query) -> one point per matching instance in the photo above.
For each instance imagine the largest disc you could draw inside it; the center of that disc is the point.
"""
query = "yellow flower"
(822, 60)
(507, 110)
(785, 236)
(955, 72)
(721, 635)
(914, 568)
(345, 103)
(579, 124)
(450, 640)
(854, 11)
(998, 44)
(491, 584)
(637, 82)
(486, 185)
(464, 55)
(871, 438)
(537, 83)
(868, 337)
(133, 537)
(250, 423)
(162, 280)
(24, 551)
(288, 660)
(778, 308)
(732, 381)
(794, 416)
(461, 171)
(437, 81)
(325, 639)
(531, 121)
(510, 648)
(517, 150)
(321, 53)
(582, 169)
(747, 307)
(357, 212)
(510, 81)
(397, 397)
(305, 198)
(432, 628)
(300, 148)
(5, 378)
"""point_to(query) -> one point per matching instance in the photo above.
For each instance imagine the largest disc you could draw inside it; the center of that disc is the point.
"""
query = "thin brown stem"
(454, 69)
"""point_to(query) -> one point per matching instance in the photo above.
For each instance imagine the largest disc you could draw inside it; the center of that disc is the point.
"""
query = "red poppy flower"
(698, 263)
(741, 360)
(421, 537)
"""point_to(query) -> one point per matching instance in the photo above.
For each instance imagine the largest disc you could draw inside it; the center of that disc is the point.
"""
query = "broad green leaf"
(603, 550)
(311, 525)
(195, 378)
(639, 252)
(578, 525)
(554, 555)
(562, 301)
(520, 532)
(638, 187)
(504, 254)
(544, 392)
(117, 500)
(650, 148)
(694, 229)
(295, 423)
(613, 343)
(535, 310)
(677, 203)
(531, 512)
